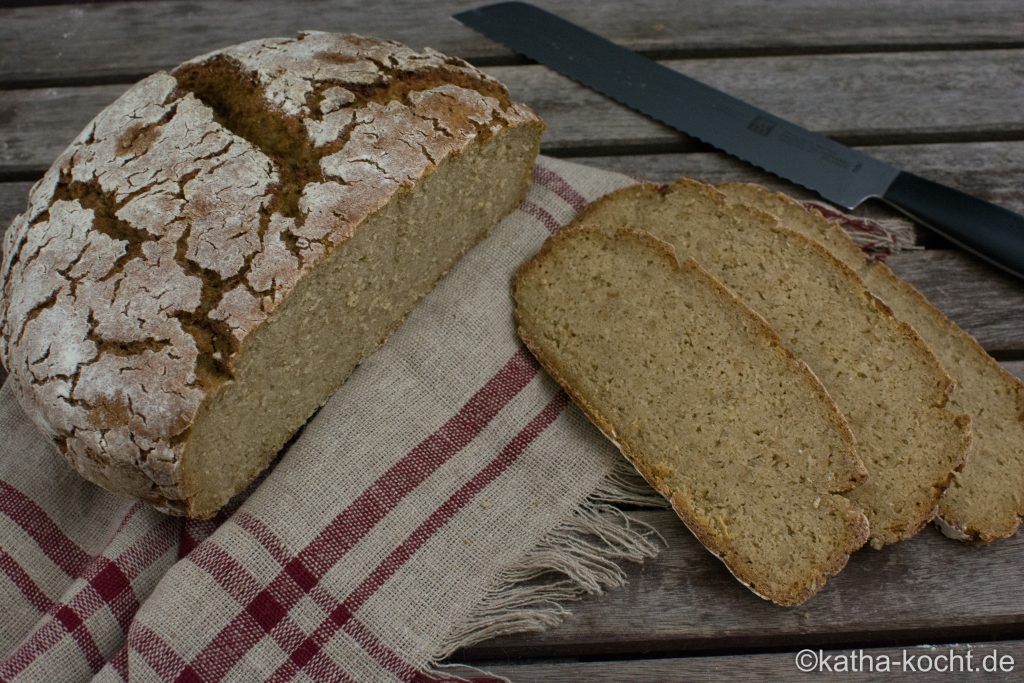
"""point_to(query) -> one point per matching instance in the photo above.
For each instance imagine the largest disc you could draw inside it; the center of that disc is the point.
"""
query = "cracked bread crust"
(184, 214)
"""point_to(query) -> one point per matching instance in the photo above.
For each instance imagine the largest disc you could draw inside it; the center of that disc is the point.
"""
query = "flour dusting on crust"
(164, 235)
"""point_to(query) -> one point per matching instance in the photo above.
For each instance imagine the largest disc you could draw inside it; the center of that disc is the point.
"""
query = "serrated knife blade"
(841, 175)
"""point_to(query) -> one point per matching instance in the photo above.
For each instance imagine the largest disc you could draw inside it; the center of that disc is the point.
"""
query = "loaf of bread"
(986, 499)
(217, 250)
(698, 393)
(883, 377)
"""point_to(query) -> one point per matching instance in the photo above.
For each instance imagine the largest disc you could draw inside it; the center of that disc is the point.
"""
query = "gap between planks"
(751, 668)
(927, 589)
(110, 39)
(905, 98)
(484, 62)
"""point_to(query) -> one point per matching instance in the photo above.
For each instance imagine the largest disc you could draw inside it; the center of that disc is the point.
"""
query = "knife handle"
(989, 231)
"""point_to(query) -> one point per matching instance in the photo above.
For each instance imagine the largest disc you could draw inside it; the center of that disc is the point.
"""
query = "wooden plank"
(13, 197)
(871, 98)
(126, 39)
(865, 98)
(987, 662)
(984, 301)
(41, 3)
(36, 125)
(1015, 366)
(927, 589)
(991, 170)
(994, 171)
(13, 200)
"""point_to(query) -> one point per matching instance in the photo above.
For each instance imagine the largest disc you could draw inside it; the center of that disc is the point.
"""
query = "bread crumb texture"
(699, 394)
(215, 252)
(884, 378)
(985, 501)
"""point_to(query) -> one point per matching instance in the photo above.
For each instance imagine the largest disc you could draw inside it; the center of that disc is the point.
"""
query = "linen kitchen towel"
(446, 494)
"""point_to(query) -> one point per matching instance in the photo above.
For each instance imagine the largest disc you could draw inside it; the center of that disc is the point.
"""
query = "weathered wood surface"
(927, 589)
(12, 202)
(987, 303)
(13, 199)
(872, 665)
(878, 73)
(858, 98)
(991, 170)
(127, 39)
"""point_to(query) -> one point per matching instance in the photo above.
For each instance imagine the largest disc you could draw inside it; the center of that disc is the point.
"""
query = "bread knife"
(841, 175)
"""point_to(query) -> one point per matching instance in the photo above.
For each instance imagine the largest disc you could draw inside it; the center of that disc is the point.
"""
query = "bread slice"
(986, 499)
(199, 271)
(885, 380)
(698, 393)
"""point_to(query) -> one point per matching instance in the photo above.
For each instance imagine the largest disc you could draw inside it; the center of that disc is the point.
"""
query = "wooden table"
(935, 87)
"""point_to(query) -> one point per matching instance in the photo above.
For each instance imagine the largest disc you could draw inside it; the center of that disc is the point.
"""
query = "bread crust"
(950, 520)
(185, 213)
(942, 385)
(715, 545)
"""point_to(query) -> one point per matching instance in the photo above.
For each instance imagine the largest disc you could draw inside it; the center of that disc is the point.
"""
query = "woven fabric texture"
(446, 494)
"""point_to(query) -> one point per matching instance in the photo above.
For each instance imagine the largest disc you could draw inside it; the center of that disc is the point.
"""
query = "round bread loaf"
(218, 249)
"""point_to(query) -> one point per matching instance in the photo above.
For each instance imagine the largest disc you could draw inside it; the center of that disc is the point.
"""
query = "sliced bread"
(884, 378)
(986, 499)
(698, 393)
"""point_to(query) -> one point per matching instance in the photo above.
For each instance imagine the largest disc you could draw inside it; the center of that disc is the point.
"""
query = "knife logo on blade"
(761, 126)
(841, 175)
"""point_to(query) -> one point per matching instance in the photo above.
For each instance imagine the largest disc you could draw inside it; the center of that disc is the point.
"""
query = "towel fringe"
(581, 556)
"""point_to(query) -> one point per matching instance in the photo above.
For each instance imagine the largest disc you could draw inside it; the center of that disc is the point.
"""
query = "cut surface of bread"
(698, 393)
(884, 379)
(986, 499)
(212, 256)
(346, 308)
